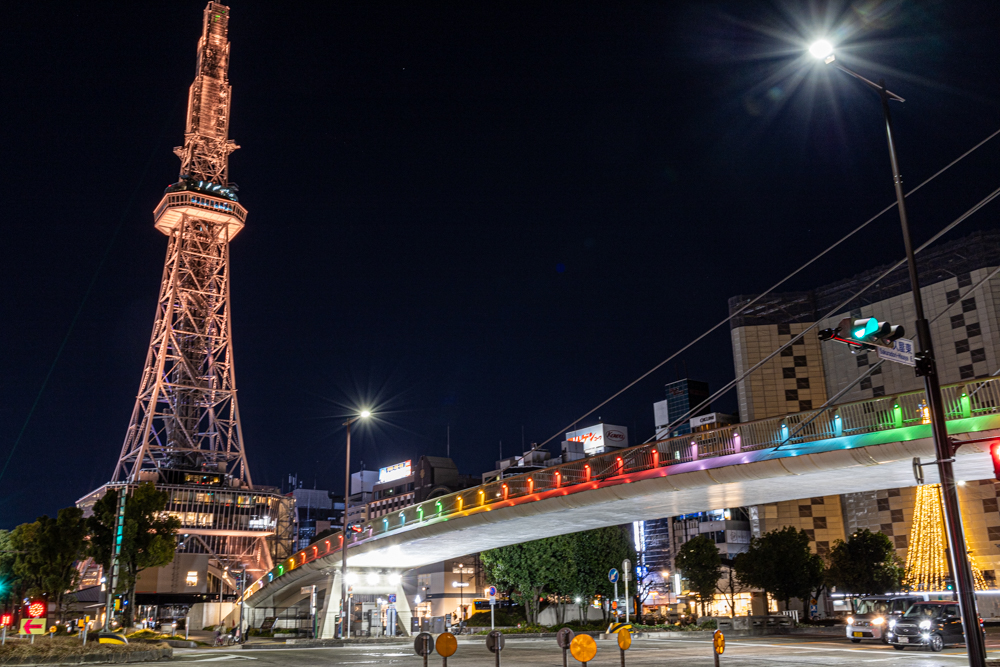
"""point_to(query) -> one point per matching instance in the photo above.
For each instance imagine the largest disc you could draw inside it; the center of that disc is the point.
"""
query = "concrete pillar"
(403, 609)
(327, 623)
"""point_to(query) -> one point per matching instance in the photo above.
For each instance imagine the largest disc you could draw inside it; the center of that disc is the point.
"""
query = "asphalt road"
(644, 652)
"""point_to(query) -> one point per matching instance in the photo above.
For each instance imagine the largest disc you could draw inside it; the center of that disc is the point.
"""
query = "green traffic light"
(871, 326)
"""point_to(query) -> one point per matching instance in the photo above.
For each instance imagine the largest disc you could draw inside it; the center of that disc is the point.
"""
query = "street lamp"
(927, 368)
(364, 414)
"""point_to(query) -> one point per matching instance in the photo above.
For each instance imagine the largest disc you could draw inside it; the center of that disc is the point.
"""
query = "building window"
(900, 541)
(788, 373)
(961, 346)
(878, 391)
(957, 321)
(972, 329)
(800, 361)
(866, 383)
(952, 295)
(802, 383)
(192, 579)
(805, 405)
(805, 510)
(791, 394)
(784, 329)
(969, 304)
(966, 372)
(978, 355)
(788, 351)
(965, 280)
(862, 359)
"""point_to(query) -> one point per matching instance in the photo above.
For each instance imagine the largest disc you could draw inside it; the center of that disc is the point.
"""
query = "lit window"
(192, 579)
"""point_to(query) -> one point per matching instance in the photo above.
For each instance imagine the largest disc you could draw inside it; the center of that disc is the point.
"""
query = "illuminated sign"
(394, 472)
(36, 609)
(599, 438)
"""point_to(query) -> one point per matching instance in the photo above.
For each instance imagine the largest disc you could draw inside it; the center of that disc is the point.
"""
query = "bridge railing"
(962, 400)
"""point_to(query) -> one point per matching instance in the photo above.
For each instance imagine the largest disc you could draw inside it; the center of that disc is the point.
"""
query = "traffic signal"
(6, 619)
(864, 333)
(35, 609)
(995, 455)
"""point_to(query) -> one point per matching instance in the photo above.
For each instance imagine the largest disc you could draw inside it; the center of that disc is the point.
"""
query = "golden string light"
(927, 556)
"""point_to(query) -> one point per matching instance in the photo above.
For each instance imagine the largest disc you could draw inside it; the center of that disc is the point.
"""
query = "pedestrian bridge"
(848, 448)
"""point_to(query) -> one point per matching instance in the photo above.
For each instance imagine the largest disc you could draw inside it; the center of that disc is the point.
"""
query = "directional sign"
(33, 626)
(901, 352)
(613, 575)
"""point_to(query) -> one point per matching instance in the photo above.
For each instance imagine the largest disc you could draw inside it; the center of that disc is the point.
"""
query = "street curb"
(99, 658)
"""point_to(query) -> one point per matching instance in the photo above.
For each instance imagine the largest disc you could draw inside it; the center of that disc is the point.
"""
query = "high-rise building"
(966, 331)
(683, 396)
(185, 433)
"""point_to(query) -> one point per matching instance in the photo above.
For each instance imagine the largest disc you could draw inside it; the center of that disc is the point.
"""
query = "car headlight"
(892, 623)
(878, 621)
(850, 620)
(925, 625)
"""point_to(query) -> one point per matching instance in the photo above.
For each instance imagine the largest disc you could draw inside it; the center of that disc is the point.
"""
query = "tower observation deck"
(185, 433)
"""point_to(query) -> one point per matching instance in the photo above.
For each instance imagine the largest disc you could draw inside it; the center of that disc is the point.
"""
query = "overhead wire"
(993, 195)
(763, 294)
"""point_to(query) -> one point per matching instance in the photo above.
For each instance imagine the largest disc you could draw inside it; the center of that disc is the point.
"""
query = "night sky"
(487, 215)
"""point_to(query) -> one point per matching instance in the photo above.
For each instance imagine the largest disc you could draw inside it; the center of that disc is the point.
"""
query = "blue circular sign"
(613, 575)
(492, 591)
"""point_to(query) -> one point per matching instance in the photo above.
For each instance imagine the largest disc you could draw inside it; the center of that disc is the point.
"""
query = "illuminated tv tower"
(186, 417)
(185, 433)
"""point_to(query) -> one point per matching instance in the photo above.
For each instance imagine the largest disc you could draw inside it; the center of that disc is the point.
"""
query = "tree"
(781, 563)
(700, 563)
(729, 585)
(9, 583)
(866, 564)
(561, 567)
(46, 552)
(148, 535)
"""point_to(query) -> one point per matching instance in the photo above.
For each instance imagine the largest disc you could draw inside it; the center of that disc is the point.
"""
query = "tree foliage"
(564, 567)
(866, 564)
(46, 554)
(701, 565)
(781, 563)
(148, 535)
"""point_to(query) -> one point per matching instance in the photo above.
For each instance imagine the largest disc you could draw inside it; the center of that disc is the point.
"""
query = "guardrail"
(962, 400)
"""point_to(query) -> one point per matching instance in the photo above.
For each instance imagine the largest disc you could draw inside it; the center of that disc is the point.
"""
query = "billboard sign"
(394, 472)
(600, 437)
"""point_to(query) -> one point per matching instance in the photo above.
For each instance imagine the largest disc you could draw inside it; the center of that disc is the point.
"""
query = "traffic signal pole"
(962, 570)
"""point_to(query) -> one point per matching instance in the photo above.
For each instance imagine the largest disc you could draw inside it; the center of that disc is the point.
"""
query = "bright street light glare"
(365, 414)
(821, 49)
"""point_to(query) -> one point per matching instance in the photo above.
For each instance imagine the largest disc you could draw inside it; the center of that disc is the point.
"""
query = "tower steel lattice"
(185, 434)
(186, 415)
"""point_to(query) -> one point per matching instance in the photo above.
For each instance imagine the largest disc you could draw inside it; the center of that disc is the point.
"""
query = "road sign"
(902, 352)
(564, 637)
(6, 619)
(583, 648)
(491, 591)
(627, 567)
(613, 575)
(494, 641)
(423, 644)
(624, 639)
(493, 600)
(33, 626)
(392, 598)
(719, 642)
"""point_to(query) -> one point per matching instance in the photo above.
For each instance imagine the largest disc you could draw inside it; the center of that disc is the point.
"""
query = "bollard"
(583, 648)
(564, 638)
(624, 642)
(718, 645)
(495, 642)
(446, 646)
(423, 645)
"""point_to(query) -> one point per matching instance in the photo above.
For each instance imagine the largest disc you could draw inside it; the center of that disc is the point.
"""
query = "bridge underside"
(834, 466)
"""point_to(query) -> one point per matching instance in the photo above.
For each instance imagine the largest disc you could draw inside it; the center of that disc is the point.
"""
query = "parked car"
(933, 625)
(873, 614)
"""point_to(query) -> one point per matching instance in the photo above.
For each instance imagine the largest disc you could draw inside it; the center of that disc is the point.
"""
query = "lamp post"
(926, 367)
(343, 548)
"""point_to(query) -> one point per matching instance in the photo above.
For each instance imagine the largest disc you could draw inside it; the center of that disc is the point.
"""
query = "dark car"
(933, 625)
(873, 614)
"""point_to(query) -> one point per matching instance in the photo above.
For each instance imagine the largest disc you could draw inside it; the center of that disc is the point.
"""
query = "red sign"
(6, 619)
(36, 610)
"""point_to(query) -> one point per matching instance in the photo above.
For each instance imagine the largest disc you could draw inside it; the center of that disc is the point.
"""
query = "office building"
(683, 396)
